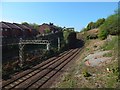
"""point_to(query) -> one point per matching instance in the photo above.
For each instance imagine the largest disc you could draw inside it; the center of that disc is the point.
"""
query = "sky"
(68, 14)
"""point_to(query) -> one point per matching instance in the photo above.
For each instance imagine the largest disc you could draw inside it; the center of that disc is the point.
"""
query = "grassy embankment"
(82, 76)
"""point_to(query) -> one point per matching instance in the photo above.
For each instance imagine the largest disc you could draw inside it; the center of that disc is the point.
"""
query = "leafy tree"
(35, 26)
(93, 25)
(111, 25)
(103, 34)
(99, 22)
(25, 23)
(66, 34)
(90, 26)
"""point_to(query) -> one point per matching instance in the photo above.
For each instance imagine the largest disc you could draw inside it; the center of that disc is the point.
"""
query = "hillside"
(96, 67)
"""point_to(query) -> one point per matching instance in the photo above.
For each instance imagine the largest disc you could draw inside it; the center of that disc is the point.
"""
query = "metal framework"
(22, 43)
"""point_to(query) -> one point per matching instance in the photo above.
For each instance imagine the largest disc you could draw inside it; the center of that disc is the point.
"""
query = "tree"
(103, 34)
(111, 24)
(25, 23)
(90, 26)
(35, 26)
(99, 22)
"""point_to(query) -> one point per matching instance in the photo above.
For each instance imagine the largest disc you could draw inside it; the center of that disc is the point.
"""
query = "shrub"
(110, 26)
(86, 73)
(103, 34)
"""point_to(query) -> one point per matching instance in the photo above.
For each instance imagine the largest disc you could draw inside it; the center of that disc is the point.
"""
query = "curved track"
(41, 73)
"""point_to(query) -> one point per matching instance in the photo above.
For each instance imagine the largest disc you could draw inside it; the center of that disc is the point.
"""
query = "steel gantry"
(22, 43)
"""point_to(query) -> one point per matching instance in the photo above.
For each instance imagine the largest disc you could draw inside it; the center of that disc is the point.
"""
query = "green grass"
(112, 80)
(87, 49)
(68, 82)
(113, 44)
(107, 79)
(108, 54)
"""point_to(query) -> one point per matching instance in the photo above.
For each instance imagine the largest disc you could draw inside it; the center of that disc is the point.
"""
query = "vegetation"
(103, 34)
(110, 26)
(111, 45)
(47, 31)
(66, 33)
(86, 73)
(32, 53)
(82, 76)
(34, 25)
(93, 25)
(107, 55)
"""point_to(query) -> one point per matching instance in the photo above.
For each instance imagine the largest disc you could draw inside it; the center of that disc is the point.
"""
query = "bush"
(110, 26)
(86, 74)
(103, 34)
(92, 36)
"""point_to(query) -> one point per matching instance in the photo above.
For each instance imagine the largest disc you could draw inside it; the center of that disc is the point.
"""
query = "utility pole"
(48, 46)
(21, 56)
(58, 43)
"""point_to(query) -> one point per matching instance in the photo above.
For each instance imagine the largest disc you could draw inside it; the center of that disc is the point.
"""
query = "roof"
(11, 25)
(21, 26)
(2, 25)
(28, 26)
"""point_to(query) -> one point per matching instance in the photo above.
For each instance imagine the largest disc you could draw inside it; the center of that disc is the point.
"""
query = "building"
(48, 28)
(12, 32)
(33, 31)
(15, 31)
(5, 31)
(26, 32)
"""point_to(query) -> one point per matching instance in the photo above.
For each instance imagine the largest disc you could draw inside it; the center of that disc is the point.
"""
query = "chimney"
(50, 23)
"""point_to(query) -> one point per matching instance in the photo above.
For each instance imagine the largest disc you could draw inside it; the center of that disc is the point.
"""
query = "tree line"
(108, 26)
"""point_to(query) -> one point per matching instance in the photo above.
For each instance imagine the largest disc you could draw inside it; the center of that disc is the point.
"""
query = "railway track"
(22, 74)
(42, 73)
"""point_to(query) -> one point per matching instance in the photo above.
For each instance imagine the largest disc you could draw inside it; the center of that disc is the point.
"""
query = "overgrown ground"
(105, 75)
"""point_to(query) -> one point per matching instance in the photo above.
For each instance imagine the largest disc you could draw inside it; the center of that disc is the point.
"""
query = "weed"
(107, 54)
(111, 44)
(87, 49)
(68, 82)
(86, 73)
